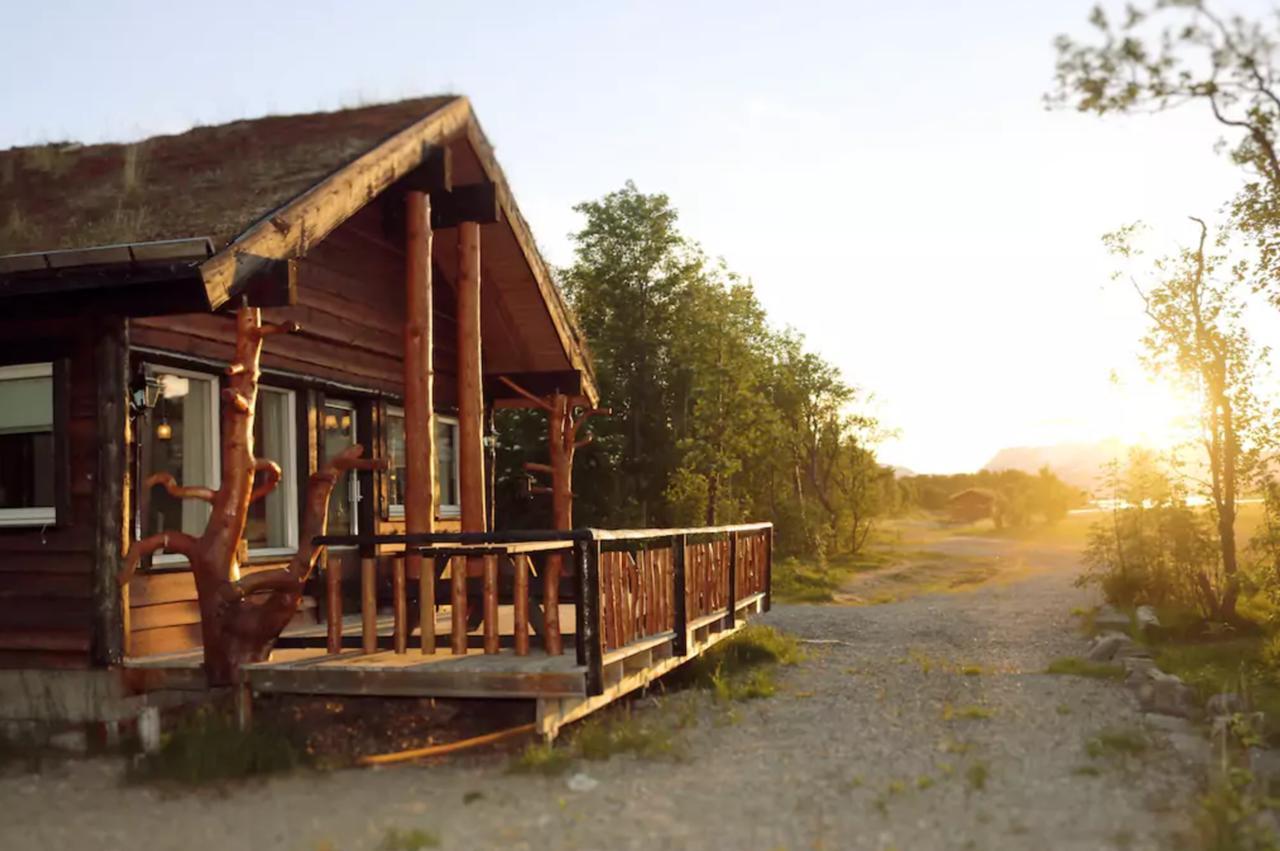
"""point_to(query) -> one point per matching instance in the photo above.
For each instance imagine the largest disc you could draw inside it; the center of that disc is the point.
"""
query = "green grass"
(1228, 818)
(977, 775)
(644, 735)
(739, 668)
(796, 581)
(1116, 742)
(1076, 667)
(208, 748)
(541, 758)
(408, 840)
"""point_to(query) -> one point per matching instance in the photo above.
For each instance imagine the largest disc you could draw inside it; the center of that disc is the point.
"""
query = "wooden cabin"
(390, 236)
(971, 505)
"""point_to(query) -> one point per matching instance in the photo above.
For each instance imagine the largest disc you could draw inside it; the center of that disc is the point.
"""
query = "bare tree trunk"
(241, 618)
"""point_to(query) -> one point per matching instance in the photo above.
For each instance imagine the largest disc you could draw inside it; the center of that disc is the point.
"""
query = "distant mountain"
(1078, 464)
(900, 472)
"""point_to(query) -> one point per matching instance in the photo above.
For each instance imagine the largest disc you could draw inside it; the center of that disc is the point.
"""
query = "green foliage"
(208, 747)
(977, 775)
(1076, 667)
(408, 840)
(718, 417)
(1151, 548)
(1230, 816)
(1162, 55)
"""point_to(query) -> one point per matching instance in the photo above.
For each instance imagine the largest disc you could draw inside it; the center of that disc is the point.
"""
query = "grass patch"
(1077, 667)
(1229, 818)
(207, 747)
(608, 735)
(740, 667)
(1116, 742)
(966, 713)
(541, 758)
(1242, 665)
(977, 775)
(408, 840)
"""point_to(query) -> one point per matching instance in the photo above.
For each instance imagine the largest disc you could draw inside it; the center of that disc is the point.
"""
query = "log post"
(332, 569)
(419, 407)
(520, 618)
(471, 472)
(369, 605)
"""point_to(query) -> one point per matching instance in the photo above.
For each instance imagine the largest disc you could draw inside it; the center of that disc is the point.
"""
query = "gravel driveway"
(914, 725)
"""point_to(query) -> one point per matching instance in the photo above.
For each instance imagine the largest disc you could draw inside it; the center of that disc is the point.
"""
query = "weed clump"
(1076, 667)
(1116, 743)
(208, 747)
(408, 840)
(541, 758)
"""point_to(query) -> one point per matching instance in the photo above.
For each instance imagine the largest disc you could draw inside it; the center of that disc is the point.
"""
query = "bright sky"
(884, 172)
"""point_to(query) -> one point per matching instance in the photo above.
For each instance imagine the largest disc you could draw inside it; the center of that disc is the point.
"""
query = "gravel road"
(914, 725)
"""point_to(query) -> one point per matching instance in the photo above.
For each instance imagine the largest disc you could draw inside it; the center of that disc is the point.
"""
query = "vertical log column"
(471, 472)
(419, 412)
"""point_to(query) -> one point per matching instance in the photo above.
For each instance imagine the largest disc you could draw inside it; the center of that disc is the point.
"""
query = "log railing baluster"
(490, 604)
(333, 602)
(369, 604)
(520, 603)
(400, 604)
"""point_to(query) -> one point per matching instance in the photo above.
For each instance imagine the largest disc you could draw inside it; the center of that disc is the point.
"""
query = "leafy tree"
(1172, 53)
(1196, 336)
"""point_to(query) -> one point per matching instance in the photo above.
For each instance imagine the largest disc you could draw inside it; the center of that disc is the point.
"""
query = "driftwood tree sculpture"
(564, 420)
(242, 616)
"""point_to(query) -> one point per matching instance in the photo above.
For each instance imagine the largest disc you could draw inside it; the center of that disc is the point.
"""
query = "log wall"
(46, 575)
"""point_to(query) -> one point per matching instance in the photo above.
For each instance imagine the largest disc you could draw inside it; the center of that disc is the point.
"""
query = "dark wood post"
(680, 602)
(332, 571)
(768, 569)
(419, 407)
(112, 488)
(733, 579)
(591, 639)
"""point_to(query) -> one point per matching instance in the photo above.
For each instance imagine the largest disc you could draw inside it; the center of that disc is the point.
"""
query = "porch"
(639, 602)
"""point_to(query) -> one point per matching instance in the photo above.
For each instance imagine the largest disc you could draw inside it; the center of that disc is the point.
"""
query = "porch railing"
(626, 587)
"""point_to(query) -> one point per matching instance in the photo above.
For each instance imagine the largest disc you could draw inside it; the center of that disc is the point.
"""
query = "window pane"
(339, 435)
(447, 462)
(178, 437)
(395, 459)
(26, 436)
(270, 519)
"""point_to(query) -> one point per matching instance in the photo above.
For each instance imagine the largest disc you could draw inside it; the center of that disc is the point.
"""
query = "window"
(339, 428)
(448, 503)
(273, 522)
(179, 436)
(26, 445)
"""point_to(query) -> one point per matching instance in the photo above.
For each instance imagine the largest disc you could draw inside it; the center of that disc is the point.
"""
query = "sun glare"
(1148, 413)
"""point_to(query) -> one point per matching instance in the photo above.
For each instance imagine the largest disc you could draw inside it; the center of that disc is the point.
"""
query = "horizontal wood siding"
(46, 574)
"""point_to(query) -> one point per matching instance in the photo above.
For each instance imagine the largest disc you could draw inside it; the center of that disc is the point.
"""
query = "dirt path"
(914, 725)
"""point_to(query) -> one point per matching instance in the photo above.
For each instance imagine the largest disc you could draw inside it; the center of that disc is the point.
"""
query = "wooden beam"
(475, 203)
(419, 406)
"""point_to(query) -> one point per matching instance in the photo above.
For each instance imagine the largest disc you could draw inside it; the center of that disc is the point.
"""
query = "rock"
(1168, 723)
(1146, 619)
(70, 740)
(1142, 665)
(581, 782)
(1166, 695)
(1111, 618)
(1227, 703)
(1105, 646)
(1264, 764)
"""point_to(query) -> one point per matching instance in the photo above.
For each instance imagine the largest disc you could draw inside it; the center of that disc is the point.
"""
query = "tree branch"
(272, 469)
(169, 542)
(315, 517)
(178, 491)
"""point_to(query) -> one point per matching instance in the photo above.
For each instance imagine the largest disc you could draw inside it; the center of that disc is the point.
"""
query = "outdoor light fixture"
(164, 431)
(146, 393)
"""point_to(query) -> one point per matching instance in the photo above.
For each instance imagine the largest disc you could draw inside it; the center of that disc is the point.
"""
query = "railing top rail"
(530, 536)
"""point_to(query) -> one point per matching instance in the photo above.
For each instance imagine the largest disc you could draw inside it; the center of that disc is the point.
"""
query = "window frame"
(288, 480)
(214, 470)
(443, 512)
(38, 515)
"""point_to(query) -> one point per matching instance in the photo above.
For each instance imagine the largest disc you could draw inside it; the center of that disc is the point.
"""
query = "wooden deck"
(559, 685)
